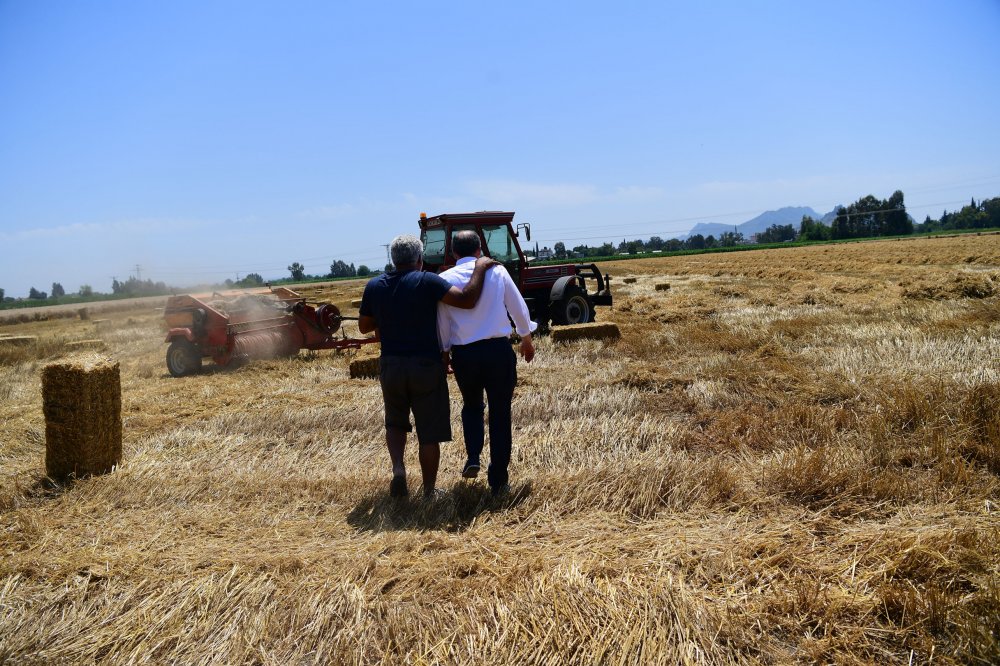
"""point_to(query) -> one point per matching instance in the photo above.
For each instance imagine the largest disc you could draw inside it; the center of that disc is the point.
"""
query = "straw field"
(790, 456)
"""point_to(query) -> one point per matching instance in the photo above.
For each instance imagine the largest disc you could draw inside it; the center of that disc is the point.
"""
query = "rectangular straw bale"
(86, 344)
(592, 331)
(18, 340)
(365, 366)
(82, 403)
(101, 323)
(663, 286)
(356, 303)
(630, 280)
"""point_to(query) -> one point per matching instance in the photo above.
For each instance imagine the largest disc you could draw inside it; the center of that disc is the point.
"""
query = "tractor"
(556, 293)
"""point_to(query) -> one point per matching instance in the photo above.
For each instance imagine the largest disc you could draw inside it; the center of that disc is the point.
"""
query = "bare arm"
(467, 298)
(366, 324)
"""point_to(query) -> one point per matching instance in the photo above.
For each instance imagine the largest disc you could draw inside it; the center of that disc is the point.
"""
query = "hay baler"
(250, 327)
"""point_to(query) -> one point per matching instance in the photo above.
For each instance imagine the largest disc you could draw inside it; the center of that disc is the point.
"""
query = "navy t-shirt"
(404, 306)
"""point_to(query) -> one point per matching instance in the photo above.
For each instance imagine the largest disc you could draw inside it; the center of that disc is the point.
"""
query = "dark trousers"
(488, 366)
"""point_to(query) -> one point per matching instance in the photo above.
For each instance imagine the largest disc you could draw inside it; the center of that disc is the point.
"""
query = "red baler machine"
(250, 327)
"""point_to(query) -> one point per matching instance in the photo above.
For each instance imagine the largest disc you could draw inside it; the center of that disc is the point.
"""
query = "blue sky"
(206, 140)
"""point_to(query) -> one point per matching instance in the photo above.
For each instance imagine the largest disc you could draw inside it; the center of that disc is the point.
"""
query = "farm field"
(791, 456)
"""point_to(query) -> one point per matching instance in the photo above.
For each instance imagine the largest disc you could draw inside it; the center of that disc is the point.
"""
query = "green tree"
(895, 220)
(655, 243)
(730, 239)
(36, 295)
(777, 233)
(86, 290)
(696, 242)
(813, 230)
(251, 280)
(57, 290)
(1, 295)
(363, 271)
(559, 249)
(298, 271)
(339, 269)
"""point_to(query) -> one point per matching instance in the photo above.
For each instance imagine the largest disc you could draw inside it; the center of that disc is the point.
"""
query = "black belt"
(484, 341)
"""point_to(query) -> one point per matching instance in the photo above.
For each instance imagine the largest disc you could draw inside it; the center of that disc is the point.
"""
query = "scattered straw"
(95, 343)
(18, 340)
(593, 331)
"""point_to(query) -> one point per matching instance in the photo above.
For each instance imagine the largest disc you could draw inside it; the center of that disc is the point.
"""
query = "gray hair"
(406, 250)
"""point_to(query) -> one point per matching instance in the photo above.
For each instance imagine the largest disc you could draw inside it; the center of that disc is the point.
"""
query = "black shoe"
(397, 487)
(500, 491)
(471, 470)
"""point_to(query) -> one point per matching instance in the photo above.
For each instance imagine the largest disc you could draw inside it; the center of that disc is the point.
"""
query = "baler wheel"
(573, 308)
(183, 358)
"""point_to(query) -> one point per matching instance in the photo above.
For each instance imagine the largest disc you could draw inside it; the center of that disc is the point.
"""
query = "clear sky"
(202, 140)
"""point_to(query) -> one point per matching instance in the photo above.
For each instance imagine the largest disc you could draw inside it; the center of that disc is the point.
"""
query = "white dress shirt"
(489, 318)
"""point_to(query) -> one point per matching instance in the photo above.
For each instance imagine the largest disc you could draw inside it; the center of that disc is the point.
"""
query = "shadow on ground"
(454, 511)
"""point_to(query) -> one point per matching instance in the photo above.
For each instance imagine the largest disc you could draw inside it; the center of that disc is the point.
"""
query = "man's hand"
(486, 262)
(527, 348)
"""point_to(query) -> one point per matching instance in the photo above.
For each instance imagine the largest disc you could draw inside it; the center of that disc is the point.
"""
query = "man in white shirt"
(478, 341)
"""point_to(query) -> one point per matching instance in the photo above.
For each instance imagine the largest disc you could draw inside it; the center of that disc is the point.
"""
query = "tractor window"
(433, 240)
(501, 244)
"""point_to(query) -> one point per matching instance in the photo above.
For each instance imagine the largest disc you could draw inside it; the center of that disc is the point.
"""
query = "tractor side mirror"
(527, 230)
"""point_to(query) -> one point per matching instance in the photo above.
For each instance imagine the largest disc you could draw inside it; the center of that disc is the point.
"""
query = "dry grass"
(788, 457)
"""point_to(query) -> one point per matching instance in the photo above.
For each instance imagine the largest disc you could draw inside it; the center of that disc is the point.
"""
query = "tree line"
(868, 217)
(338, 269)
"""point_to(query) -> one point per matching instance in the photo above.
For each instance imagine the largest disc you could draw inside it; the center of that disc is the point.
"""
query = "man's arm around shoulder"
(467, 298)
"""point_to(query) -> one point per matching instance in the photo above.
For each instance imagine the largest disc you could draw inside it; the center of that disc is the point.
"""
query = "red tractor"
(249, 327)
(557, 293)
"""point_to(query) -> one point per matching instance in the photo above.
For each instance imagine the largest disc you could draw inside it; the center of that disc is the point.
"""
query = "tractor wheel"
(573, 308)
(183, 358)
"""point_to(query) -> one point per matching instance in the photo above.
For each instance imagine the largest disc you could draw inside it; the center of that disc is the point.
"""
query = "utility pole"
(138, 273)
(388, 258)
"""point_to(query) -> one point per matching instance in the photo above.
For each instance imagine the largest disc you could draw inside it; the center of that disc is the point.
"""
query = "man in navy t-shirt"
(402, 306)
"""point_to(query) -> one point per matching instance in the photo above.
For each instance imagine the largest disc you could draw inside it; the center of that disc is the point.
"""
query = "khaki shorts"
(418, 384)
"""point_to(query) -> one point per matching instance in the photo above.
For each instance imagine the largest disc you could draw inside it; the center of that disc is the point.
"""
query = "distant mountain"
(789, 215)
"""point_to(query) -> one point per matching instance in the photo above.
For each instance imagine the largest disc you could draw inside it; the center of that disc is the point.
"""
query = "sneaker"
(471, 470)
(397, 487)
(500, 491)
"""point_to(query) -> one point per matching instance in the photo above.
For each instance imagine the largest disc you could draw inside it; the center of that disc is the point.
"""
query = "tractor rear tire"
(183, 358)
(573, 308)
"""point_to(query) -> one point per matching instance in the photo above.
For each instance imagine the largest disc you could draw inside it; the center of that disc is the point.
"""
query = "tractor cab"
(555, 292)
(496, 233)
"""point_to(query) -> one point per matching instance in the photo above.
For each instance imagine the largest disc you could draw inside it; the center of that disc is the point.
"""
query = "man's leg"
(468, 376)
(431, 414)
(500, 378)
(395, 440)
(397, 421)
(430, 457)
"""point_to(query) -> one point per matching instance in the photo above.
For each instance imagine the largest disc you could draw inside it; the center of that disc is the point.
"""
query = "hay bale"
(83, 313)
(356, 303)
(365, 366)
(593, 331)
(102, 323)
(82, 403)
(631, 280)
(18, 340)
(663, 286)
(85, 344)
